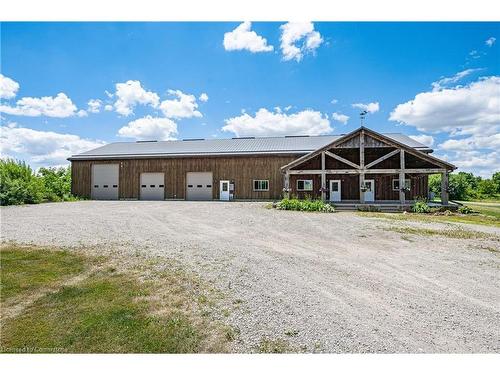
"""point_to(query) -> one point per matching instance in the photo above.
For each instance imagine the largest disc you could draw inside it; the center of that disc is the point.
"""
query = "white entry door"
(370, 190)
(152, 186)
(224, 190)
(335, 191)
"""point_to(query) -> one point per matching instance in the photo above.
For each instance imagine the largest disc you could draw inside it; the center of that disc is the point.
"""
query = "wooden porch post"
(323, 178)
(402, 177)
(361, 166)
(444, 188)
(286, 184)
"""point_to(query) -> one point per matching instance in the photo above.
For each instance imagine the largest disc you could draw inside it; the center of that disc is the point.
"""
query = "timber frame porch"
(358, 141)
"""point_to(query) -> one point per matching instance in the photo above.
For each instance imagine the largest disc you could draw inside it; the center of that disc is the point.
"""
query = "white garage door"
(152, 186)
(105, 181)
(199, 186)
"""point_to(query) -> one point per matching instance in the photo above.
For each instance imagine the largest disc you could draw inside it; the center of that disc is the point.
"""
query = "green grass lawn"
(104, 310)
(485, 214)
(489, 208)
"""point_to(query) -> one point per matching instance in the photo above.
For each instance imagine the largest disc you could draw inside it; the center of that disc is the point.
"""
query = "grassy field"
(60, 301)
(484, 214)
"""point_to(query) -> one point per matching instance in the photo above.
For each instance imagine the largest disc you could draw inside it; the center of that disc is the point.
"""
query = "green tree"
(57, 182)
(487, 188)
(19, 184)
(435, 184)
(496, 180)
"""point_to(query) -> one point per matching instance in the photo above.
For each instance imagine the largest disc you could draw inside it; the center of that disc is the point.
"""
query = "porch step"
(371, 207)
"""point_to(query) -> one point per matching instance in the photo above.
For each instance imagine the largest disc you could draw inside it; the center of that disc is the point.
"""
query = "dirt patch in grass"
(108, 309)
(275, 346)
(459, 233)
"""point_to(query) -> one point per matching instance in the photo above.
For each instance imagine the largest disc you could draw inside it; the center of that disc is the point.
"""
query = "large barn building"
(360, 167)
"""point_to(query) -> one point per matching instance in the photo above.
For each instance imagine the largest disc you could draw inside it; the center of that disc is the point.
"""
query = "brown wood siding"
(240, 169)
(350, 186)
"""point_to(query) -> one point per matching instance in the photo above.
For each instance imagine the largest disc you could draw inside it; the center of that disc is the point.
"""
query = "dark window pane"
(105, 186)
(161, 186)
(209, 186)
(115, 186)
(143, 186)
(190, 186)
(199, 185)
(152, 185)
(96, 186)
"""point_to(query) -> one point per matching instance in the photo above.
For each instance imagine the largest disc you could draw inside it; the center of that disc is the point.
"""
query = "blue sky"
(437, 81)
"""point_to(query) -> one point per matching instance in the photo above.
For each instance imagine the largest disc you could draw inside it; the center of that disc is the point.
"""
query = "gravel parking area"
(319, 282)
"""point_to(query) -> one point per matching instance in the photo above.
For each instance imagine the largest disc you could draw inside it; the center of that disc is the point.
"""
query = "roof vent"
(193, 139)
(243, 138)
(146, 141)
(296, 136)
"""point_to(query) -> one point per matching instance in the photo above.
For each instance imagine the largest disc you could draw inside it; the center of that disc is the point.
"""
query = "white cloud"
(82, 113)
(266, 123)
(184, 106)
(130, 94)
(108, 107)
(297, 39)
(469, 109)
(490, 41)
(94, 105)
(8, 87)
(334, 101)
(150, 128)
(42, 147)
(203, 97)
(474, 142)
(58, 106)
(243, 38)
(443, 82)
(425, 139)
(340, 117)
(370, 107)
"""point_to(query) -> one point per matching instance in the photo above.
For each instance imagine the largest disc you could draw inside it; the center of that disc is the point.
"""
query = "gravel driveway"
(321, 282)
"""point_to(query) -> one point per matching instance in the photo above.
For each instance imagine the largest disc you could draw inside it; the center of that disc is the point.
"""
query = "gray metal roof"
(228, 146)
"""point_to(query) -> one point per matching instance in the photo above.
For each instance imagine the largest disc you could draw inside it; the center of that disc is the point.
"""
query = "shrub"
(420, 207)
(57, 182)
(19, 184)
(304, 205)
(465, 210)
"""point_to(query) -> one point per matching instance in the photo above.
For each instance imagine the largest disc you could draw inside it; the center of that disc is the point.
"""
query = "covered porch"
(365, 169)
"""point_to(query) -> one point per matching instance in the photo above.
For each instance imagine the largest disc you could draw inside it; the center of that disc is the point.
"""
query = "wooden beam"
(410, 170)
(368, 171)
(444, 188)
(402, 177)
(362, 165)
(341, 159)
(286, 185)
(386, 156)
(323, 177)
(327, 171)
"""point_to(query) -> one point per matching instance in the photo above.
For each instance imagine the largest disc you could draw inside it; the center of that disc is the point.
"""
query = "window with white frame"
(395, 184)
(260, 185)
(304, 185)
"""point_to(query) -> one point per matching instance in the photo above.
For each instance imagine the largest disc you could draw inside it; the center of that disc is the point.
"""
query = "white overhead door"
(199, 186)
(105, 181)
(152, 186)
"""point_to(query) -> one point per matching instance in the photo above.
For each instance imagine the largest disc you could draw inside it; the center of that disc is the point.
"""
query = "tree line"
(19, 184)
(465, 186)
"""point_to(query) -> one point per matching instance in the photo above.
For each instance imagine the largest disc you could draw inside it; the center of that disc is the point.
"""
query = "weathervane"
(362, 116)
